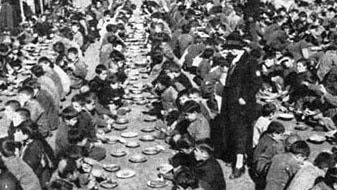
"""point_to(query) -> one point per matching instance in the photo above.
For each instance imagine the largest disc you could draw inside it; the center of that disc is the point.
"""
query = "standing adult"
(238, 104)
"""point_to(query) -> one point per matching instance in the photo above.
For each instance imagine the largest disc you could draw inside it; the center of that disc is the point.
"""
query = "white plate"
(151, 151)
(137, 158)
(126, 173)
(132, 144)
(118, 153)
(286, 116)
(147, 138)
(317, 138)
(129, 134)
(109, 185)
(157, 183)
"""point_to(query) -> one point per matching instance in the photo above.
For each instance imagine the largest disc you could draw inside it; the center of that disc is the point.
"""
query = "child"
(263, 122)
(84, 120)
(76, 69)
(195, 94)
(306, 176)
(168, 92)
(97, 83)
(199, 127)
(284, 166)
(269, 145)
(179, 79)
(25, 175)
(78, 137)
(69, 120)
(10, 107)
(37, 113)
(114, 90)
(208, 169)
(185, 157)
(19, 116)
(68, 175)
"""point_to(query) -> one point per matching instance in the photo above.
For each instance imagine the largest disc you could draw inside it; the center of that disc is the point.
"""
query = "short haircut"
(106, 13)
(207, 53)
(79, 98)
(191, 107)
(69, 113)
(185, 178)
(75, 136)
(305, 62)
(111, 28)
(268, 109)
(69, 168)
(185, 142)
(26, 130)
(7, 148)
(59, 47)
(24, 113)
(32, 82)
(205, 145)
(174, 68)
(37, 70)
(90, 97)
(164, 80)
(13, 104)
(324, 160)
(100, 68)
(194, 91)
(73, 50)
(46, 60)
(29, 91)
(291, 139)
(186, 28)
(301, 148)
(275, 127)
(112, 79)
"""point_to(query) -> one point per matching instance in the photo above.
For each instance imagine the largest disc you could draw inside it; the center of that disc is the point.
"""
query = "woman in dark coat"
(238, 109)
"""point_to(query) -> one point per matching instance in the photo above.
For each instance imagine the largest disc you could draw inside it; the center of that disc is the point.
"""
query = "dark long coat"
(243, 81)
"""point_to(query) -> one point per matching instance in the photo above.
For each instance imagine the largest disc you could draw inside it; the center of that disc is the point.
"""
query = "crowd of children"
(221, 71)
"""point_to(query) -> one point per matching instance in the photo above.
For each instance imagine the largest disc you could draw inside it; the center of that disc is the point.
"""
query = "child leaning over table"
(75, 68)
(284, 166)
(262, 123)
(269, 145)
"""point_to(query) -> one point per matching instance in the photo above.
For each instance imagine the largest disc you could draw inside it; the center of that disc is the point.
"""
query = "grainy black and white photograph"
(168, 94)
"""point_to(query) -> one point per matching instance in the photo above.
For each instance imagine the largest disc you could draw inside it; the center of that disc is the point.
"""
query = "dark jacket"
(96, 84)
(210, 172)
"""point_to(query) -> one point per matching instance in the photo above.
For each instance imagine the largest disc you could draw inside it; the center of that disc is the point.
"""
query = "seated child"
(262, 123)
(96, 118)
(67, 177)
(185, 157)
(75, 68)
(78, 137)
(84, 120)
(269, 145)
(284, 166)
(208, 168)
(69, 120)
(199, 127)
(97, 83)
(195, 94)
(10, 107)
(168, 93)
(185, 178)
(306, 176)
(19, 116)
(37, 113)
(20, 169)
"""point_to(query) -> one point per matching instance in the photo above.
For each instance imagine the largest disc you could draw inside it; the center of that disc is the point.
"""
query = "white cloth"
(260, 126)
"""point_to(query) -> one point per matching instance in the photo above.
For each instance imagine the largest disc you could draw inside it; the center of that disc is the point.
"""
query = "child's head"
(302, 65)
(101, 71)
(324, 160)
(75, 27)
(276, 129)
(72, 54)
(163, 82)
(10, 107)
(23, 133)
(301, 150)
(191, 110)
(77, 137)
(185, 178)
(291, 139)
(25, 94)
(185, 144)
(268, 110)
(113, 80)
(7, 148)
(195, 94)
(174, 70)
(67, 169)
(203, 150)
(182, 97)
(20, 115)
(90, 101)
(69, 116)
(78, 102)
(46, 63)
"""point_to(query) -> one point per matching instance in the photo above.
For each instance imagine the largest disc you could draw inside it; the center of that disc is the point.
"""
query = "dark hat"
(234, 41)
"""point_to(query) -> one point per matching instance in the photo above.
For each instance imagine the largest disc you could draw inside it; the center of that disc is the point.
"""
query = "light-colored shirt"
(260, 126)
